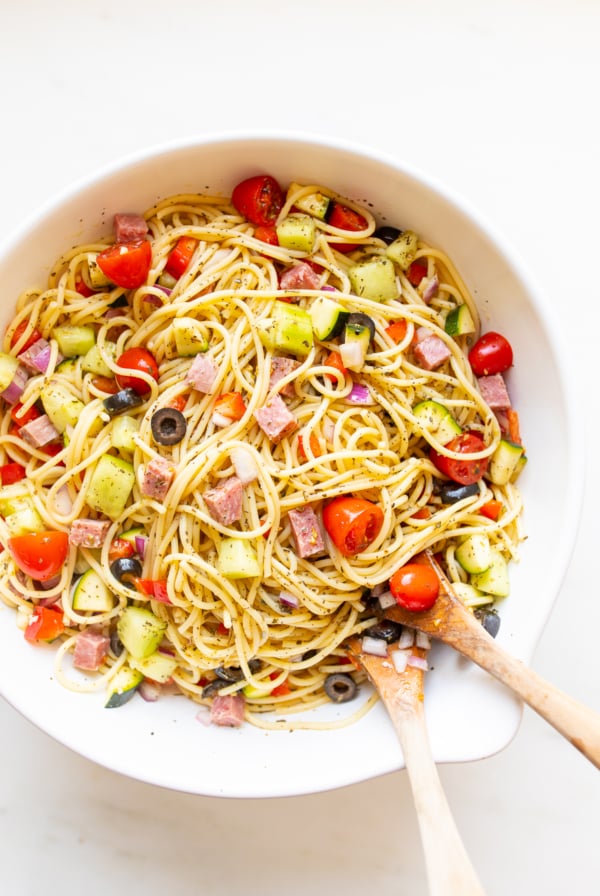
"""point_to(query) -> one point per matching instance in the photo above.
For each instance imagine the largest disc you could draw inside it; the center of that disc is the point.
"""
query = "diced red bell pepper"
(180, 256)
(12, 472)
(416, 272)
(35, 335)
(46, 624)
(119, 549)
(344, 218)
(267, 235)
(27, 417)
(281, 690)
(397, 330)
(334, 359)
(178, 403)
(154, 588)
(230, 405)
(491, 509)
(314, 444)
(83, 289)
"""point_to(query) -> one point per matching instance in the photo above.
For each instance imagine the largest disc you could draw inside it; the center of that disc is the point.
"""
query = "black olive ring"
(168, 426)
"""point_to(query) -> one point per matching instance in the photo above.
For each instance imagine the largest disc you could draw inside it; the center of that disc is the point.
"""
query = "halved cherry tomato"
(40, 554)
(120, 548)
(267, 235)
(126, 264)
(423, 513)
(259, 199)
(314, 445)
(397, 330)
(492, 353)
(463, 470)
(415, 587)
(154, 588)
(46, 625)
(136, 359)
(12, 472)
(491, 509)
(345, 218)
(352, 523)
(416, 272)
(230, 405)
(334, 359)
(20, 329)
(180, 256)
(27, 417)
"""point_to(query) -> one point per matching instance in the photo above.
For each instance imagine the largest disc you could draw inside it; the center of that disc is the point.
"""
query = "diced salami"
(158, 477)
(275, 420)
(301, 276)
(129, 228)
(88, 533)
(228, 709)
(494, 392)
(281, 367)
(306, 532)
(39, 432)
(431, 352)
(91, 648)
(224, 502)
(202, 374)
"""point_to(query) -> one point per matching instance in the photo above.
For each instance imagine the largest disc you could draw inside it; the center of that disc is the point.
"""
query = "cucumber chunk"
(474, 553)
(110, 486)
(403, 249)
(92, 593)
(297, 232)
(122, 432)
(437, 419)
(328, 318)
(158, 666)
(288, 330)
(93, 362)
(62, 407)
(469, 595)
(140, 631)
(374, 279)
(237, 559)
(122, 687)
(495, 579)
(25, 519)
(459, 321)
(74, 341)
(505, 462)
(190, 337)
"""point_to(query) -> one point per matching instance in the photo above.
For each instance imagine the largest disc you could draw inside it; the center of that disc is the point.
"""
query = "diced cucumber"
(140, 631)
(459, 321)
(25, 519)
(130, 535)
(328, 317)
(315, 204)
(297, 232)
(67, 366)
(237, 559)
(13, 496)
(62, 407)
(98, 280)
(91, 592)
(93, 362)
(374, 279)
(122, 432)
(504, 462)
(288, 330)
(437, 419)
(158, 666)
(474, 553)
(122, 687)
(110, 486)
(469, 595)
(190, 336)
(8, 369)
(495, 579)
(403, 249)
(74, 341)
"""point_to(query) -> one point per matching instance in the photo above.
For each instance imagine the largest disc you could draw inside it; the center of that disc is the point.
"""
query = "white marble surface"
(500, 102)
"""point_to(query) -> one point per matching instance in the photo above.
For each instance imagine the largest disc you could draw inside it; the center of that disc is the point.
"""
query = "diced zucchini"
(140, 631)
(288, 330)
(190, 336)
(437, 419)
(74, 341)
(158, 666)
(122, 687)
(315, 204)
(122, 432)
(13, 496)
(98, 280)
(8, 368)
(67, 366)
(474, 553)
(93, 362)
(25, 519)
(297, 232)
(495, 579)
(62, 407)
(130, 535)
(110, 486)
(374, 279)
(354, 348)
(237, 559)
(469, 595)
(459, 321)
(504, 462)
(403, 249)
(328, 317)
(91, 592)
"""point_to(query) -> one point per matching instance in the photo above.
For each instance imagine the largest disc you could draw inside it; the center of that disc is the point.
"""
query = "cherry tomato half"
(126, 264)
(46, 625)
(136, 359)
(345, 218)
(352, 523)
(40, 554)
(492, 353)
(180, 256)
(19, 330)
(463, 470)
(259, 199)
(415, 587)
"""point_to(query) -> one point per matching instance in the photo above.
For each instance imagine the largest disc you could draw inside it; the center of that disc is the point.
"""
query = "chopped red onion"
(359, 394)
(149, 691)
(113, 312)
(418, 662)
(245, 465)
(290, 600)
(374, 646)
(386, 600)
(37, 356)
(400, 660)
(407, 638)
(13, 392)
(431, 289)
(422, 640)
(140, 545)
(62, 501)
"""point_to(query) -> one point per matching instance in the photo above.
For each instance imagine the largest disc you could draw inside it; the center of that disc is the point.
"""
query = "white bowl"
(470, 716)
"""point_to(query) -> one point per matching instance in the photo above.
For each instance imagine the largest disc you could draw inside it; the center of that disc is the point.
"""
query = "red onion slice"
(359, 394)
(418, 662)
(149, 691)
(13, 392)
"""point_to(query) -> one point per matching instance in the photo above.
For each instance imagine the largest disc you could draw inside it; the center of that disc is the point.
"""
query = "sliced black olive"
(489, 620)
(213, 687)
(359, 319)
(126, 569)
(340, 687)
(451, 492)
(234, 673)
(168, 426)
(122, 401)
(116, 645)
(387, 234)
(386, 629)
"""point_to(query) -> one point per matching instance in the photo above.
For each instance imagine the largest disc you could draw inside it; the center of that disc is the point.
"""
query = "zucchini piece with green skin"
(437, 419)
(158, 666)
(505, 462)
(93, 362)
(62, 407)
(403, 249)
(314, 204)
(122, 687)
(8, 369)
(328, 318)
(469, 595)
(131, 534)
(297, 232)
(289, 330)
(495, 579)
(14, 496)
(190, 337)
(73, 340)
(91, 592)
(459, 321)
(474, 553)
(374, 279)
(122, 432)
(140, 631)
(110, 486)
(237, 559)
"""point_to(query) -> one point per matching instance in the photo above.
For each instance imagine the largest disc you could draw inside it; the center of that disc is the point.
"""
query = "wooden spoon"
(449, 870)
(451, 622)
